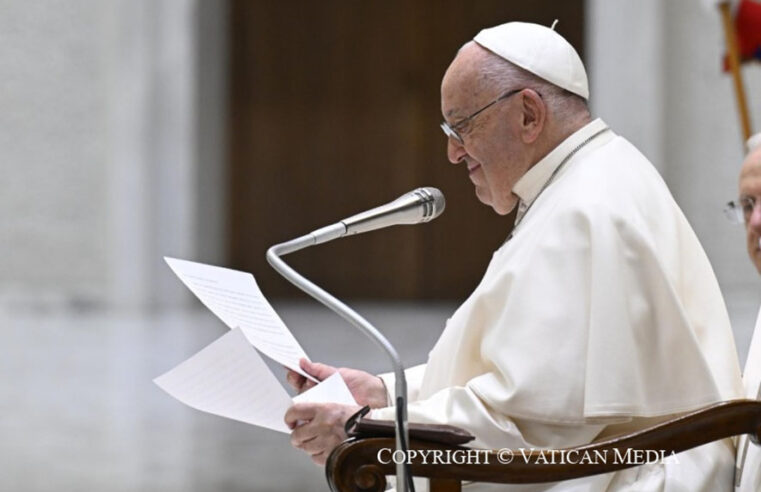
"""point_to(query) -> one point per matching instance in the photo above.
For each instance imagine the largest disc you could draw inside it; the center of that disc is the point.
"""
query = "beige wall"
(111, 128)
(655, 78)
(53, 146)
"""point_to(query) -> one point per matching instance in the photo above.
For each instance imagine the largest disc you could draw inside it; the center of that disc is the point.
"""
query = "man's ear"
(534, 115)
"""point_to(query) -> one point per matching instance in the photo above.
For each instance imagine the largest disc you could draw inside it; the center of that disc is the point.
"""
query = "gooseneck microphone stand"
(417, 206)
(404, 483)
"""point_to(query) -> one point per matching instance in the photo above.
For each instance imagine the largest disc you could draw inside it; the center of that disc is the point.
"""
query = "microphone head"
(414, 207)
(432, 200)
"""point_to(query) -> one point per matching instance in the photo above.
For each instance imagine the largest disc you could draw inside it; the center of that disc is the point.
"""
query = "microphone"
(415, 207)
(420, 205)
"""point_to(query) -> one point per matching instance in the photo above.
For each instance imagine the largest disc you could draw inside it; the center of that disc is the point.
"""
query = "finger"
(301, 436)
(315, 445)
(295, 379)
(298, 424)
(299, 411)
(316, 369)
(320, 458)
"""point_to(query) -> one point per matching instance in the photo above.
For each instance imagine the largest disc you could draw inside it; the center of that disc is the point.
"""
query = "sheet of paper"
(236, 299)
(332, 389)
(229, 378)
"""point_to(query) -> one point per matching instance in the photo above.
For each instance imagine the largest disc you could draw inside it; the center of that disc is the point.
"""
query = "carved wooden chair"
(354, 465)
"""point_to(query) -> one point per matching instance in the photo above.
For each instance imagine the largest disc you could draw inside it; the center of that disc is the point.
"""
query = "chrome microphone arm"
(323, 235)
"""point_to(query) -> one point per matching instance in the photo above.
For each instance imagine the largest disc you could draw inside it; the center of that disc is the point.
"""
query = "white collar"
(533, 182)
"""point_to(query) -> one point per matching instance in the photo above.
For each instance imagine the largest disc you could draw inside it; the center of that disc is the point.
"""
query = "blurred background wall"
(113, 147)
(655, 72)
(209, 130)
(344, 116)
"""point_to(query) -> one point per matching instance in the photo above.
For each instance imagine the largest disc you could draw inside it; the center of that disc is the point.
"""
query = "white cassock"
(748, 474)
(600, 315)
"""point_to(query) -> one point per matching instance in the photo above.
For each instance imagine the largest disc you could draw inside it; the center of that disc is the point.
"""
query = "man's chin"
(757, 261)
(499, 208)
(755, 256)
(483, 196)
(504, 208)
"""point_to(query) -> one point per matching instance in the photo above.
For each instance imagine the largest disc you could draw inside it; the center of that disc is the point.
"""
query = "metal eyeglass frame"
(735, 210)
(451, 130)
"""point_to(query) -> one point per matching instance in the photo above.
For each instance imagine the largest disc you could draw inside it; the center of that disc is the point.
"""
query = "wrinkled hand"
(320, 427)
(366, 388)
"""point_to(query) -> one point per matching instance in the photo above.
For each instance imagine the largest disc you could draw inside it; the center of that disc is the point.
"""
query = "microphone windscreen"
(435, 197)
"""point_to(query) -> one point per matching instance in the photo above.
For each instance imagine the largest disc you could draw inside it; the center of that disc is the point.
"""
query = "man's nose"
(455, 151)
(754, 221)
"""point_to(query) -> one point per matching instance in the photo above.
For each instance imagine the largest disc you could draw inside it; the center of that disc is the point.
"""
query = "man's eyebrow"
(451, 113)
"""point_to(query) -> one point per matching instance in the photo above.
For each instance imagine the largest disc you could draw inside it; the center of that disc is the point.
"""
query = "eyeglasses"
(739, 212)
(451, 130)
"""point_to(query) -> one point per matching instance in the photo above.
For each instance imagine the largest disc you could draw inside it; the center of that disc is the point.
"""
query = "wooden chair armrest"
(433, 433)
(362, 464)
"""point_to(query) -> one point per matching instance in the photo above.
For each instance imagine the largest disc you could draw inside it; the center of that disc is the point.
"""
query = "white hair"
(499, 74)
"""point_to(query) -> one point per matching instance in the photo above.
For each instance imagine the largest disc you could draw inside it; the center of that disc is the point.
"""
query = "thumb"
(317, 370)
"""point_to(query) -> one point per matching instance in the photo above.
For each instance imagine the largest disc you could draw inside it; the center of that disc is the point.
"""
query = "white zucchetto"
(539, 50)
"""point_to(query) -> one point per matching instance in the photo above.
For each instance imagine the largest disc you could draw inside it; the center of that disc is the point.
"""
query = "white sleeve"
(462, 407)
(414, 377)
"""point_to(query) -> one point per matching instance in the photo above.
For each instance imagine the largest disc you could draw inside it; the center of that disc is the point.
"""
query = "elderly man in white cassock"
(599, 315)
(748, 475)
